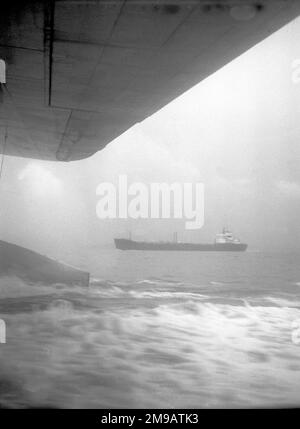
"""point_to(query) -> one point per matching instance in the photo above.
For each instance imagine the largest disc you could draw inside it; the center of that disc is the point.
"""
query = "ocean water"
(156, 329)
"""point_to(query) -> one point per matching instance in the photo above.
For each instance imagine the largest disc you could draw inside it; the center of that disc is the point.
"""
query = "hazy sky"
(237, 132)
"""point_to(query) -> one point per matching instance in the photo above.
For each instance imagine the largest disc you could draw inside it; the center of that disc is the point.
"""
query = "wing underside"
(80, 73)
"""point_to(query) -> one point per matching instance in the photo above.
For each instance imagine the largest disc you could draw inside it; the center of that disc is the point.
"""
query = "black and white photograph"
(149, 207)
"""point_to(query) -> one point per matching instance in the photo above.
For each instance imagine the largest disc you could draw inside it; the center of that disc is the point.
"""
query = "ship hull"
(125, 244)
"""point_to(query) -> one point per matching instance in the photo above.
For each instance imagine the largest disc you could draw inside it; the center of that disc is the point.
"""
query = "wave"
(170, 355)
(170, 294)
(217, 283)
(151, 344)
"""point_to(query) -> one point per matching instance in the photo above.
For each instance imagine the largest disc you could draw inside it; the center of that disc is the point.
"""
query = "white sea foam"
(156, 342)
(180, 354)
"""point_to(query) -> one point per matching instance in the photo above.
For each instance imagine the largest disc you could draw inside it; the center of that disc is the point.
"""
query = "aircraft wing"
(80, 73)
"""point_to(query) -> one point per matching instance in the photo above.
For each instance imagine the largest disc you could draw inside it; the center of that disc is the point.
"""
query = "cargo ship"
(224, 242)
